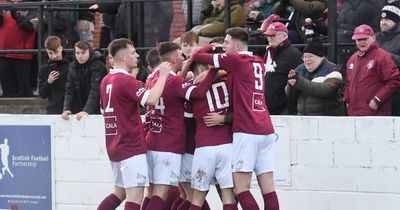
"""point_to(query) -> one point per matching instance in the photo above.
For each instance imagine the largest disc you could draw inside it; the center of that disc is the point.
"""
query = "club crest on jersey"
(140, 91)
(156, 125)
(370, 64)
(258, 102)
(184, 85)
(351, 66)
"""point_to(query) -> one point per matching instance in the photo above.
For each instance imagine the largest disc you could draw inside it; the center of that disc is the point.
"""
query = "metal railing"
(43, 6)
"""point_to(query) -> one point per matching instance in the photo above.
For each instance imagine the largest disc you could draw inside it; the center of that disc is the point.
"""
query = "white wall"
(341, 163)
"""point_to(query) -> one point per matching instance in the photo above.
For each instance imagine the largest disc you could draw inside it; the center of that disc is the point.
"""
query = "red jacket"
(13, 37)
(372, 76)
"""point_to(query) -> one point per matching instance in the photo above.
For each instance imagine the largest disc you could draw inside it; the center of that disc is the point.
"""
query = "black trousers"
(14, 77)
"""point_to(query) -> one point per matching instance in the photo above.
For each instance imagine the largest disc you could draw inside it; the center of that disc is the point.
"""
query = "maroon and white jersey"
(216, 100)
(167, 128)
(246, 88)
(120, 96)
(190, 128)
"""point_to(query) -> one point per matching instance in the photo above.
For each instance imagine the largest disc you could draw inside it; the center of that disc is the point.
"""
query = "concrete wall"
(335, 163)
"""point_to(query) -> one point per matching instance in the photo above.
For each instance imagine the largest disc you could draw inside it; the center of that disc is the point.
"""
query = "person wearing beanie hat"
(372, 77)
(316, 83)
(389, 40)
(313, 55)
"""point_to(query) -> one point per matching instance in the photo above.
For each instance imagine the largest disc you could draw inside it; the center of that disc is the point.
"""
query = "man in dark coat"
(280, 58)
(389, 39)
(85, 73)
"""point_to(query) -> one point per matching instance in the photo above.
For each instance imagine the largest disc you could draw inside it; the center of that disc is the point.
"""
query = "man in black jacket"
(389, 39)
(53, 76)
(280, 58)
(85, 74)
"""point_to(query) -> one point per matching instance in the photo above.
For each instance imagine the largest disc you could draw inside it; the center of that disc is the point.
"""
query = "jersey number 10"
(217, 98)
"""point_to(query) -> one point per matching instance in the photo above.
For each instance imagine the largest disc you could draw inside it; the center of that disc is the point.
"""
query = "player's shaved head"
(117, 45)
(153, 58)
(239, 34)
(167, 49)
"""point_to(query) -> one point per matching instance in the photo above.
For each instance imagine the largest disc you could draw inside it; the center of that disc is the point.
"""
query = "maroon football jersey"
(120, 96)
(246, 85)
(167, 128)
(216, 100)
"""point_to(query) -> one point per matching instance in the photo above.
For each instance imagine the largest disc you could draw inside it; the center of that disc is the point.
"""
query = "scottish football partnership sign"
(25, 167)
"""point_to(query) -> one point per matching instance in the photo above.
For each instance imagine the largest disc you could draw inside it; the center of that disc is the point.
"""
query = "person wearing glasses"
(280, 58)
(316, 84)
(371, 77)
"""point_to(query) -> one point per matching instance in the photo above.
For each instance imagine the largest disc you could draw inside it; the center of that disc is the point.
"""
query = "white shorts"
(253, 153)
(210, 163)
(186, 167)
(131, 172)
(164, 167)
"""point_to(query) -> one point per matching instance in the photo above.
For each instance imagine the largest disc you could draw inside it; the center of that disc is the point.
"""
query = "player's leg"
(266, 183)
(243, 162)
(185, 179)
(198, 199)
(223, 174)
(264, 171)
(113, 200)
(173, 194)
(148, 192)
(189, 193)
(180, 199)
(135, 177)
(228, 199)
(165, 169)
(203, 171)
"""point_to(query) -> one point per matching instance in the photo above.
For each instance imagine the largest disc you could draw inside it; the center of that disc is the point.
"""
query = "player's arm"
(202, 55)
(185, 68)
(196, 92)
(158, 88)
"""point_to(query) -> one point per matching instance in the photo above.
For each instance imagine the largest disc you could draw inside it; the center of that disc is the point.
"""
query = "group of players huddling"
(236, 139)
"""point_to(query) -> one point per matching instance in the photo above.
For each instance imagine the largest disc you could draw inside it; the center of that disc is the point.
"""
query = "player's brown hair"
(166, 49)
(82, 45)
(52, 43)
(238, 33)
(189, 37)
(153, 58)
(117, 45)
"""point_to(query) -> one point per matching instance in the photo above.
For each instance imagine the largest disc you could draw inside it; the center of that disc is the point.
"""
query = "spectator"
(61, 26)
(389, 39)
(316, 83)
(53, 75)
(18, 31)
(355, 13)
(158, 18)
(279, 59)
(84, 77)
(213, 18)
(371, 77)
(84, 24)
(189, 41)
(259, 10)
(300, 10)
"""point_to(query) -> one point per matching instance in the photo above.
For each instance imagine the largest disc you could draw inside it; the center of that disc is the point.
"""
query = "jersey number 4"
(160, 105)
(217, 98)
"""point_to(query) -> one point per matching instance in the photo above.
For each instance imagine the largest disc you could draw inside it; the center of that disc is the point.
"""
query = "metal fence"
(43, 6)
